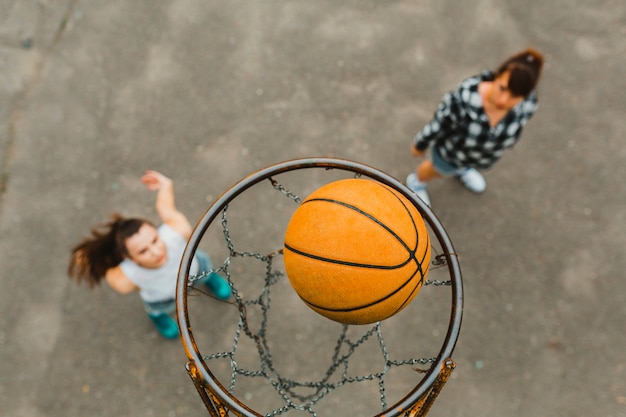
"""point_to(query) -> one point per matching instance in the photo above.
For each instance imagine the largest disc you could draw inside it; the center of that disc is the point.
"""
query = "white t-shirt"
(160, 284)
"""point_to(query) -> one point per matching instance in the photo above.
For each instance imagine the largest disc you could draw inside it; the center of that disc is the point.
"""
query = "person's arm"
(443, 122)
(117, 280)
(165, 203)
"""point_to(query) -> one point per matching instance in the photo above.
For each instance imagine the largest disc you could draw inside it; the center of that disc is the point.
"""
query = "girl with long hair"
(132, 254)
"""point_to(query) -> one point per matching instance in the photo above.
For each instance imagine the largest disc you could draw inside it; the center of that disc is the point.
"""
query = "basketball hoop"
(261, 354)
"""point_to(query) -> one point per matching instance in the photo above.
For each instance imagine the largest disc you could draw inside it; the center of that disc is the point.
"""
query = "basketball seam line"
(374, 219)
(347, 310)
(348, 263)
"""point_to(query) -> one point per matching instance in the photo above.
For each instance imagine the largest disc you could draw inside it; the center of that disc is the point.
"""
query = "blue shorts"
(441, 166)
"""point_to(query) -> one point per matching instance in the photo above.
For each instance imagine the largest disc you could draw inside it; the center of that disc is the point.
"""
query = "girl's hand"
(416, 152)
(165, 204)
(154, 180)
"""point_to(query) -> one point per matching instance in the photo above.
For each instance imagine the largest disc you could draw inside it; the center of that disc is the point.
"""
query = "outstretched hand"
(154, 180)
(416, 152)
(165, 205)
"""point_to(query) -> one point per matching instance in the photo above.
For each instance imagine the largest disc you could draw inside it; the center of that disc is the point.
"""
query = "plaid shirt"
(460, 128)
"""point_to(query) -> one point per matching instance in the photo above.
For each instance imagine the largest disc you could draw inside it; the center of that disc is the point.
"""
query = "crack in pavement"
(18, 101)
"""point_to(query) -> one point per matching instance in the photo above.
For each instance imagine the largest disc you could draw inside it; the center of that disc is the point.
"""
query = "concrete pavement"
(93, 93)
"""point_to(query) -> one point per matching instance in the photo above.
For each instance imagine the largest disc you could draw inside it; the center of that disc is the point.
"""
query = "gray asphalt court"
(92, 94)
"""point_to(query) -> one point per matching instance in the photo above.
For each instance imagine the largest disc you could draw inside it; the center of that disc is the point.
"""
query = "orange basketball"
(356, 251)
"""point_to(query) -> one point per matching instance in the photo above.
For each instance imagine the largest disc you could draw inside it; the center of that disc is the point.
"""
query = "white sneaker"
(472, 179)
(418, 188)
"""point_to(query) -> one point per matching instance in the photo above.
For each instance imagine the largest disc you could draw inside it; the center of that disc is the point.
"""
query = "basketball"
(356, 251)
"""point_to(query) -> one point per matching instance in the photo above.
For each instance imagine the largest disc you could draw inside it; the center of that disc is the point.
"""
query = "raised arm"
(165, 203)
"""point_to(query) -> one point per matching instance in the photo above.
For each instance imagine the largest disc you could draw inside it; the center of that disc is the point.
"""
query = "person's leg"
(204, 262)
(213, 281)
(159, 313)
(426, 171)
(417, 185)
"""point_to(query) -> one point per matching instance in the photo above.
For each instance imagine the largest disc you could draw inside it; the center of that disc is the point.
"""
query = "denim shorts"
(169, 306)
(155, 308)
(441, 166)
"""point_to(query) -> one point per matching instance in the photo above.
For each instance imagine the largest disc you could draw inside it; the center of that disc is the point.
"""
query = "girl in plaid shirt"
(477, 122)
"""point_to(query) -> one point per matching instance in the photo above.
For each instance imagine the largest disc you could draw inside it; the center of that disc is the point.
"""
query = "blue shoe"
(218, 286)
(166, 325)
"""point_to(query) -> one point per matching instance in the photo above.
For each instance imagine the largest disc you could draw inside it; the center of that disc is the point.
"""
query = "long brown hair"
(525, 70)
(104, 249)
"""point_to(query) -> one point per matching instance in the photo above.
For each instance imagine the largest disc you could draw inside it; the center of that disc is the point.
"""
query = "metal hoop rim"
(222, 201)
